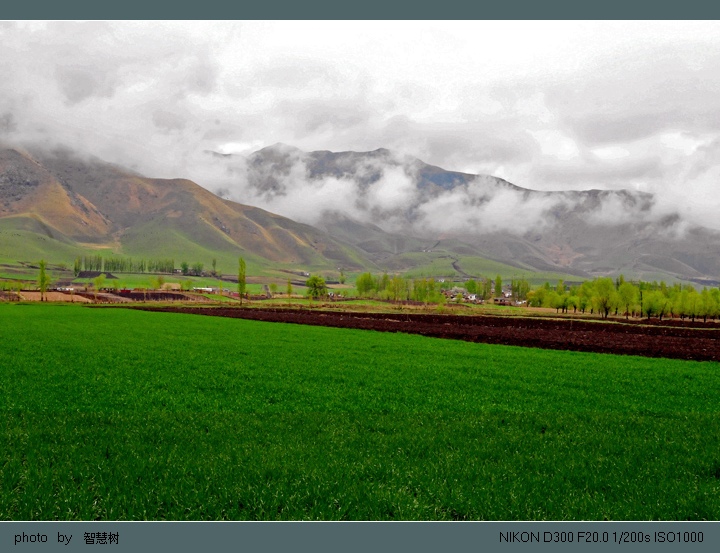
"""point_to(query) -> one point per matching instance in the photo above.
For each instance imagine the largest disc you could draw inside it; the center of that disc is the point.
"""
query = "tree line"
(122, 264)
(603, 296)
(630, 299)
(429, 290)
(129, 265)
(397, 288)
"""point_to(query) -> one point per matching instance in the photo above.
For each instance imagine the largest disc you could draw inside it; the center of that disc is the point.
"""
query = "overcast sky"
(545, 105)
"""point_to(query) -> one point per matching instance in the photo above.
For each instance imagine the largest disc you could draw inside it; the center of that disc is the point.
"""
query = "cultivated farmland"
(121, 414)
(697, 341)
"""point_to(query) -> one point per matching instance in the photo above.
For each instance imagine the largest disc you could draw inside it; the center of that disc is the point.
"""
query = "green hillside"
(25, 239)
(161, 240)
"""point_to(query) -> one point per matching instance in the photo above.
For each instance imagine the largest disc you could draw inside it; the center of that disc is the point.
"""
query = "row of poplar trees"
(630, 299)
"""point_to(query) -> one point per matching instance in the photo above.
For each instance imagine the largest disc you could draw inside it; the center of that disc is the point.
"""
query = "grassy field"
(119, 414)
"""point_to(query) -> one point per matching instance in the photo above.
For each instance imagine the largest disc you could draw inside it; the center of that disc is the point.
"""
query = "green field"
(118, 414)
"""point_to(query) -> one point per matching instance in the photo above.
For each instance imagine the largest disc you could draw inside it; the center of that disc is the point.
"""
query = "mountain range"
(359, 210)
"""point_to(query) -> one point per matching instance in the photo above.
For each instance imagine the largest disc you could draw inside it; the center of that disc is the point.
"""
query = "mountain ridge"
(126, 208)
(85, 202)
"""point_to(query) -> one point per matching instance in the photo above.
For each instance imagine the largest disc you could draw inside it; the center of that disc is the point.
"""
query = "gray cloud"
(633, 97)
(7, 123)
(169, 121)
(386, 190)
(80, 83)
(326, 118)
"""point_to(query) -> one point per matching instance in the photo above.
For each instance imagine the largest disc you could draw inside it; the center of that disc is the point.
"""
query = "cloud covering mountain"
(585, 232)
(403, 194)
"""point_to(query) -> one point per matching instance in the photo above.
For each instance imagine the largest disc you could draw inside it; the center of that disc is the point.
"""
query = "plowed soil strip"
(699, 344)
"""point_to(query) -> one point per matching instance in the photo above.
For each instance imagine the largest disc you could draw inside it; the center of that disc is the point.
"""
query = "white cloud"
(546, 105)
(467, 212)
(683, 143)
(556, 145)
(611, 152)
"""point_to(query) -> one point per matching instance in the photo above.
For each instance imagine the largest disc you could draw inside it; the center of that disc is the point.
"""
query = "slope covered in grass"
(28, 239)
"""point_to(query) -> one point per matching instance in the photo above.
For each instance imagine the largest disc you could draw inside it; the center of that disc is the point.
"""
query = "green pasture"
(115, 414)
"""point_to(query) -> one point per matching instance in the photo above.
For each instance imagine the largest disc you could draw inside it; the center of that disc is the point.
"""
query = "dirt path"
(655, 340)
(456, 266)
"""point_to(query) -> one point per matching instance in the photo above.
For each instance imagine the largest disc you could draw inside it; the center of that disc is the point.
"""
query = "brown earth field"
(699, 343)
(54, 297)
